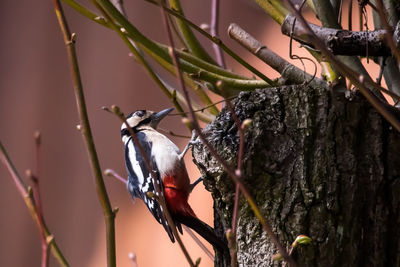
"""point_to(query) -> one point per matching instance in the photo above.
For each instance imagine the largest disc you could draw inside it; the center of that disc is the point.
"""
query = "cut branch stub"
(342, 42)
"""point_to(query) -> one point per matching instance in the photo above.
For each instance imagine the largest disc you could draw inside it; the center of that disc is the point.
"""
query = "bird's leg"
(191, 142)
(195, 183)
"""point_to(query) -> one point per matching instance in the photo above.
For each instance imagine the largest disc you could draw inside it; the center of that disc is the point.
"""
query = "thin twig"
(214, 32)
(175, 61)
(206, 107)
(119, 4)
(287, 70)
(381, 69)
(38, 141)
(232, 245)
(198, 242)
(171, 133)
(34, 177)
(389, 30)
(27, 194)
(108, 212)
(339, 15)
(110, 172)
(294, 56)
(350, 15)
(36, 196)
(190, 39)
(277, 14)
(235, 209)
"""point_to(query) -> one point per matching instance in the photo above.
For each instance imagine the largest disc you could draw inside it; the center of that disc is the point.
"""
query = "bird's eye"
(140, 113)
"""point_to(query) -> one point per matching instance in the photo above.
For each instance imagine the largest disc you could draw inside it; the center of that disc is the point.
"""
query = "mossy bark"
(318, 164)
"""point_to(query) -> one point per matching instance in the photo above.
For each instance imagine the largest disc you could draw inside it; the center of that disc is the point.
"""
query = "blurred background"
(36, 94)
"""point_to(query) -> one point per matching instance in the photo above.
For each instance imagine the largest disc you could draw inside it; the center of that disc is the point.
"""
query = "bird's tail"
(203, 229)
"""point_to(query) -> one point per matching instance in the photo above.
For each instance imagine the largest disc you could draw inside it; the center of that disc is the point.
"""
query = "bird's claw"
(192, 186)
(194, 140)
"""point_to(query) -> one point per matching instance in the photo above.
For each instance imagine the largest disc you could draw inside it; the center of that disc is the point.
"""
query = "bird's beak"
(157, 117)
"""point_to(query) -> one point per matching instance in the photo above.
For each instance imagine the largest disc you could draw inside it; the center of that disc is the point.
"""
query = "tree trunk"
(318, 164)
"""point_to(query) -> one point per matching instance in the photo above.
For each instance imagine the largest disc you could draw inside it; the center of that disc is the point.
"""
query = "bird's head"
(142, 119)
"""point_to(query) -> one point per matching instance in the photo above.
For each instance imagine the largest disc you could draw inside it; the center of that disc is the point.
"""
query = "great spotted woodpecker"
(169, 171)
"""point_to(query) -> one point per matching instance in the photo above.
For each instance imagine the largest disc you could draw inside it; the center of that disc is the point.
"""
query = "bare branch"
(389, 34)
(36, 195)
(214, 32)
(112, 173)
(288, 71)
(198, 242)
(341, 42)
(108, 212)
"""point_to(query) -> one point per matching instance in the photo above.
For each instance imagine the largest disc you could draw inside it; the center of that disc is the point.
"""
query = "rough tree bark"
(318, 164)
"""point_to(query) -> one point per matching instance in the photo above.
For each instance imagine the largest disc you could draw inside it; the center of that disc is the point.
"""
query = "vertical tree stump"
(318, 164)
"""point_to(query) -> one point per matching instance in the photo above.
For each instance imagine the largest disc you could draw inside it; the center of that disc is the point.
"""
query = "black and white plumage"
(140, 182)
(168, 170)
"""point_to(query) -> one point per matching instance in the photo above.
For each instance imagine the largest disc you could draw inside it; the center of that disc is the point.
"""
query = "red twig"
(38, 202)
(214, 32)
(36, 195)
(112, 173)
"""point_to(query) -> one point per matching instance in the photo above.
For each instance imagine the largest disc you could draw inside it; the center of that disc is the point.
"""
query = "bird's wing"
(140, 181)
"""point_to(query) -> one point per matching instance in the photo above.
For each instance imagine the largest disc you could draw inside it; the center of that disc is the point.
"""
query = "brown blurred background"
(36, 94)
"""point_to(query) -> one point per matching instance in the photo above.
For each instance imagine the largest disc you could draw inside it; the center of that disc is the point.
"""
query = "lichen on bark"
(317, 164)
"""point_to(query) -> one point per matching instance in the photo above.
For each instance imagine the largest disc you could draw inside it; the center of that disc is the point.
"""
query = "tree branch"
(108, 212)
(214, 31)
(341, 42)
(288, 71)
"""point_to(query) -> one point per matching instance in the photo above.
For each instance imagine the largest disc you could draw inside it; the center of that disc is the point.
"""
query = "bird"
(168, 171)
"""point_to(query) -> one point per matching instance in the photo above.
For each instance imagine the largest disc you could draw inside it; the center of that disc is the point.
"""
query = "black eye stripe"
(140, 113)
(125, 131)
(143, 122)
